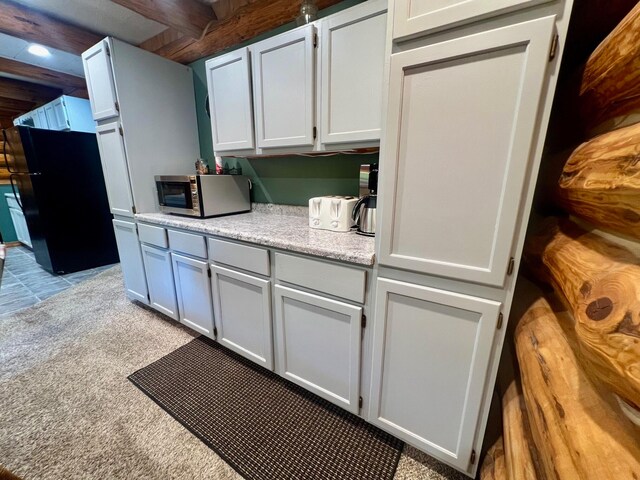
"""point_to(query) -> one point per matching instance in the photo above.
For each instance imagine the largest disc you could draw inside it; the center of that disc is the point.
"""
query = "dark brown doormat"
(265, 427)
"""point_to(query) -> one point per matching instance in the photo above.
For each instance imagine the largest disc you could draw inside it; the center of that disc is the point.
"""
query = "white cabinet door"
(242, 306)
(319, 345)
(283, 69)
(114, 166)
(50, 114)
(353, 53)
(131, 262)
(100, 84)
(461, 125)
(230, 101)
(162, 292)
(42, 118)
(431, 351)
(414, 17)
(194, 294)
(60, 114)
(20, 226)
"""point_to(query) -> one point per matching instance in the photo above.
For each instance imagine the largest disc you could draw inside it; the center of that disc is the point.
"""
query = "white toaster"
(331, 213)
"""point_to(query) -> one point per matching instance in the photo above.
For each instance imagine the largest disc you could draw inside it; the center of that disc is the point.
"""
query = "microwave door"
(175, 196)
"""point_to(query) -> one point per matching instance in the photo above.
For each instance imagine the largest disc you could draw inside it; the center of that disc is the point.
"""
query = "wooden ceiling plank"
(33, 26)
(29, 92)
(163, 38)
(44, 76)
(189, 17)
(11, 104)
(246, 23)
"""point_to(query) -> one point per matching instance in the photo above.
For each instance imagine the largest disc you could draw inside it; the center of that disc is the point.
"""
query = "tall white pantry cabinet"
(470, 88)
(144, 107)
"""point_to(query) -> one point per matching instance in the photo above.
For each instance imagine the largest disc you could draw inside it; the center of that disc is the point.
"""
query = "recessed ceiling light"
(38, 50)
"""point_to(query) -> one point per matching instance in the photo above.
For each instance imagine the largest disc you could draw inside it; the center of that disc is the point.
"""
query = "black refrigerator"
(58, 176)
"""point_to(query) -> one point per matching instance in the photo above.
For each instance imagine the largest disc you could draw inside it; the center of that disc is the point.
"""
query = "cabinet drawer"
(153, 235)
(338, 280)
(188, 243)
(241, 256)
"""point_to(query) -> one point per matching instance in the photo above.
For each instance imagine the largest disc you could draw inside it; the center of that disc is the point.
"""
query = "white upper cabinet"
(431, 355)
(415, 17)
(50, 116)
(100, 84)
(230, 101)
(462, 117)
(283, 69)
(352, 63)
(55, 118)
(42, 121)
(60, 120)
(114, 167)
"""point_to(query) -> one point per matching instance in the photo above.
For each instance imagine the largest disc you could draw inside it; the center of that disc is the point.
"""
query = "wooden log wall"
(601, 181)
(610, 84)
(600, 282)
(579, 430)
(578, 367)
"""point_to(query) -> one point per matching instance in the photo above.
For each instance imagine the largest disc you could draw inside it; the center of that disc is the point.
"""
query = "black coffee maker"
(364, 212)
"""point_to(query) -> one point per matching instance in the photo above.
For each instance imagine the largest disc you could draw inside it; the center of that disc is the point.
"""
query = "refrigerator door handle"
(13, 188)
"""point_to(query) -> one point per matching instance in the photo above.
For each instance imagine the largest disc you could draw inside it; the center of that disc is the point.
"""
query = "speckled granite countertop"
(284, 227)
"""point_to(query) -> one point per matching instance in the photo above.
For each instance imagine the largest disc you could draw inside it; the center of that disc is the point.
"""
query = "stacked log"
(601, 181)
(493, 467)
(562, 415)
(580, 432)
(522, 458)
(600, 282)
(610, 84)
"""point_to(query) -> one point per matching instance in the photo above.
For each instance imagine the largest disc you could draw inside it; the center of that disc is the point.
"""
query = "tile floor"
(25, 283)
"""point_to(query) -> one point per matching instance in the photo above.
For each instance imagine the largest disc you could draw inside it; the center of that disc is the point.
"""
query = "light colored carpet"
(67, 410)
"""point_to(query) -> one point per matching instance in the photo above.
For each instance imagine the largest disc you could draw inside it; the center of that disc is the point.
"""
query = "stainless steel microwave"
(203, 196)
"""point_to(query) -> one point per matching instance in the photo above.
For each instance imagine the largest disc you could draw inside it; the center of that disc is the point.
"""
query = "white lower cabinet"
(131, 262)
(162, 293)
(20, 226)
(431, 352)
(242, 306)
(194, 294)
(318, 345)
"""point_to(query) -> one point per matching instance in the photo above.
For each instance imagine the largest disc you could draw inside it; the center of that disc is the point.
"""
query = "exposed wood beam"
(9, 113)
(29, 92)
(163, 38)
(245, 24)
(68, 83)
(19, 106)
(189, 17)
(80, 93)
(33, 26)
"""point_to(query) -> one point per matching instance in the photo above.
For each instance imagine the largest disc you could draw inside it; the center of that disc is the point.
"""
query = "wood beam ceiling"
(68, 83)
(246, 23)
(33, 26)
(188, 17)
(18, 106)
(28, 92)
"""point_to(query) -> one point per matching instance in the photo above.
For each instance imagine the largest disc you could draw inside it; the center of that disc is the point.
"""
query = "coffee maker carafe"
(364, 212)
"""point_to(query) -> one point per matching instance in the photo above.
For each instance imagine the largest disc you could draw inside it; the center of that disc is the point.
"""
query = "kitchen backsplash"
(288, 180)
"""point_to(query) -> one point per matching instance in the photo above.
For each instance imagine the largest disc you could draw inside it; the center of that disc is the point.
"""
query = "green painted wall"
(6, 225)
(289, 180)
